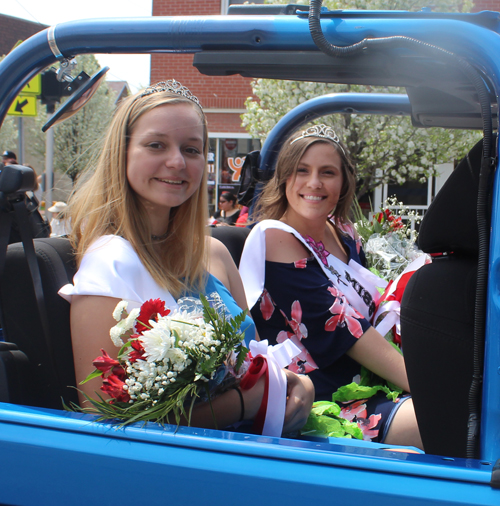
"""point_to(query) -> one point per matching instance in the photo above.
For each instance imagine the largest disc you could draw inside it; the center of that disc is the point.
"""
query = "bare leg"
(404, 428)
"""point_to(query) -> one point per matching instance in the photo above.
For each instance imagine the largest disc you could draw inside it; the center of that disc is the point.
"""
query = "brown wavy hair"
(104, 203)
(273, 203)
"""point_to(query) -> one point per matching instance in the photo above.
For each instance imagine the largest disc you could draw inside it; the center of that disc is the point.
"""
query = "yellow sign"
(23, 106)
(34, 87)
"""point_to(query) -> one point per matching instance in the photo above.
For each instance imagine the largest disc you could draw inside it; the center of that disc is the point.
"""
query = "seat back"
(233, 238)
(51, 369)
(437, 313)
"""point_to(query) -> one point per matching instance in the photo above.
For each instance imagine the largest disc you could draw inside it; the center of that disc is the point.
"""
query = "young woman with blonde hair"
(139, 229)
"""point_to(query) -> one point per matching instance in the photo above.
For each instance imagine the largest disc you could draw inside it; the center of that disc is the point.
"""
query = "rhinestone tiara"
(322, 131)
(171, 86)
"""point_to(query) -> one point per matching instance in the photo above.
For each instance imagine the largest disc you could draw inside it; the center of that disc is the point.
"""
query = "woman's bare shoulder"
(216, 248)
(284, 247)
(219, 260)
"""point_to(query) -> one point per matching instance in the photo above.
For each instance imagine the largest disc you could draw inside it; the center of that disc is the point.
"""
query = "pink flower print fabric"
(344, 314)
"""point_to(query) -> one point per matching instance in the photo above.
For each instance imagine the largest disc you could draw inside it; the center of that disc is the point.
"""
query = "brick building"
(486, 5)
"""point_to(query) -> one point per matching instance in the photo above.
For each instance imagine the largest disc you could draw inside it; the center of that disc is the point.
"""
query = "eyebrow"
(328, 166)
(162, 134)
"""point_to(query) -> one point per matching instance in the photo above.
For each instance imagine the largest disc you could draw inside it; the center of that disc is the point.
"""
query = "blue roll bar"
(184, 34)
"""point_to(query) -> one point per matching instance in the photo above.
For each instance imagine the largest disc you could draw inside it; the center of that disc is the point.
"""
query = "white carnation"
(116, 334)
(123, 326)
(120, 307)
(158, 340)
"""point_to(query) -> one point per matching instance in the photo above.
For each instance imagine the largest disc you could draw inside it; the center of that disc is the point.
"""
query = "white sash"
(355, 282)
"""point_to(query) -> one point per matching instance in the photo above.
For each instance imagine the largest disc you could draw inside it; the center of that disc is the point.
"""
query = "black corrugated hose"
(487, 168)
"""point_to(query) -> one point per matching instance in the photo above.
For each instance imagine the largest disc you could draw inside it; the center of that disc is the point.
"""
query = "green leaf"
(95, 374)
(177, 338)
(353, 391)
(242, 353)
(322, 426)
(123, 349)
(353, 429)
(326, 408)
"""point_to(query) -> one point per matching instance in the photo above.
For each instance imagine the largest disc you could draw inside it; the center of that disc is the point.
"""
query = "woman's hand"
(300, 397)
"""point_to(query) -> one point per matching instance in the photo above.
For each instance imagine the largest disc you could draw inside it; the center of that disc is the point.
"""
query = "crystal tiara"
(322, 131)
(171, 86)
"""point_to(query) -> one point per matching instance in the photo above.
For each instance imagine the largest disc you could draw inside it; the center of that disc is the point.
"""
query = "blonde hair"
(106, 204)
(273, 203)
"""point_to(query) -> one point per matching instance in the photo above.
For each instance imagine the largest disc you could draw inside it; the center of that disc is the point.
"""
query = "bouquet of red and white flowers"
(171, 359)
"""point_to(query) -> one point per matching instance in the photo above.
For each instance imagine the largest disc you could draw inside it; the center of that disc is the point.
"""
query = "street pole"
(49, 165)
(20, 140)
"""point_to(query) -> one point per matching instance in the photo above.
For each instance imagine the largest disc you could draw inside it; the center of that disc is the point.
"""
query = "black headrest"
(449, 225)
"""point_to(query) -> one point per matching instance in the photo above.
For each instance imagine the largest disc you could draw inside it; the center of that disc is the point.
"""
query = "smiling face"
(315, 188)
(165, 160)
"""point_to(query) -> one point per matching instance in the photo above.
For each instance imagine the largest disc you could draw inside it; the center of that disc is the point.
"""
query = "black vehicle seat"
(437, 313)
(25, 357)
(48, 378)
(233, 238)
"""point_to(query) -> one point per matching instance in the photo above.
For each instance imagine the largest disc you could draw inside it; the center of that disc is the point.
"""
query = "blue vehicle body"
(55, 457)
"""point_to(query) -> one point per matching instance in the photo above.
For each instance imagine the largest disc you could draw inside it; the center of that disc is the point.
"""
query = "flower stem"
(211, 407)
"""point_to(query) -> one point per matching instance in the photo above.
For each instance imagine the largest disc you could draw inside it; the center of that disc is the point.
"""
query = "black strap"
(23, 221)
(22, 216)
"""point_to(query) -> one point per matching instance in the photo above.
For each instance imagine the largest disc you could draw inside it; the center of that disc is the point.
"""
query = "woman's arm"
(91, 320)
(376, 354)
(300, 389)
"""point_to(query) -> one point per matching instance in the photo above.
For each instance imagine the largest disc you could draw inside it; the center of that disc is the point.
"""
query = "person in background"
(39, 187)
(59, 224)
(9, 158)
(228, 212)
(37, 191)
(243, 217)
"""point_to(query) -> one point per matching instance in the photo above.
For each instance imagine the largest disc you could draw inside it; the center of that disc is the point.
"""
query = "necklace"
(159, 237)
(319, 249)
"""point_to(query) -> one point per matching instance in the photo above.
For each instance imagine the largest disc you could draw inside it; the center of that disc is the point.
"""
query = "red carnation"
(150, 310)
(113, 386)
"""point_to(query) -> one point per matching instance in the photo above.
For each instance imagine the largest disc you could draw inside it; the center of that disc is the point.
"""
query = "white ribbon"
(393, 307)
(277, 357)
(393, 316)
